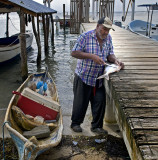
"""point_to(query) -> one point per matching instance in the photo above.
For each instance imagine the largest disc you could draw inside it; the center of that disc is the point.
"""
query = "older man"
(92, 50)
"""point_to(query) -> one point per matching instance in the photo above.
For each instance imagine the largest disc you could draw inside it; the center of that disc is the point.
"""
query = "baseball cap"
(105, 21)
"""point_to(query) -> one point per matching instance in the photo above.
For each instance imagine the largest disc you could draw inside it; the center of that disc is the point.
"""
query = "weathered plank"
(146, 137)
(138, 95)
(143, 123)
(135, 87)
(132, 103)
(149, 152)
(141, 112)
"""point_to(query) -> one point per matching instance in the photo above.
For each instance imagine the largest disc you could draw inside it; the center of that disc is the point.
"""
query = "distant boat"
(30, 136)
(10, 47)
(145, 28)
(141, 27)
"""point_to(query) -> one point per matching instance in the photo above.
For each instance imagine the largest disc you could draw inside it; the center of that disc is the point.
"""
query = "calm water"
(60, 64)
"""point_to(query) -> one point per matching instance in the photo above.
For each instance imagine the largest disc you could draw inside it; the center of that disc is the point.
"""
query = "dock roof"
(26, 5)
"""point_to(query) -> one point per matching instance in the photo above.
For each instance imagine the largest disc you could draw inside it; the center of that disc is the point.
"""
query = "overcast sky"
(58, 4)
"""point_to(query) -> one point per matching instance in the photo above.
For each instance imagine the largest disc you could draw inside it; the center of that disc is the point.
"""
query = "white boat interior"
(146, 28)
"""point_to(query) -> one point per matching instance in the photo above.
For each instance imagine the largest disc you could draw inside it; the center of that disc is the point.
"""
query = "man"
(92, 50)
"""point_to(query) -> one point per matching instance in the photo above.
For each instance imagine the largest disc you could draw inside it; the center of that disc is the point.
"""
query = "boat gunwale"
(57, 132)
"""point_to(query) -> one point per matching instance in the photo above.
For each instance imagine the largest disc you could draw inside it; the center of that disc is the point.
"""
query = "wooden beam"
(24, 69)
(19, 8)
(5, 10)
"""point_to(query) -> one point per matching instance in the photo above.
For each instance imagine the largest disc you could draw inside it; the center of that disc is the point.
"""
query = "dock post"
(64, 16)
(109, 113)
(124, 5)
(7, 25)
(52, 35)
(23, 55)
(93, 6)
(97, 9)
(133, 10)
(37, 37)
(45, 33)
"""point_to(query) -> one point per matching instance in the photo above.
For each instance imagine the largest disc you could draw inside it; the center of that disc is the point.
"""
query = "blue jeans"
(83, 94)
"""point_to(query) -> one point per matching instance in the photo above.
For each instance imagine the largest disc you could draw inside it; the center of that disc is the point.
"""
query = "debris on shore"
(76, 148)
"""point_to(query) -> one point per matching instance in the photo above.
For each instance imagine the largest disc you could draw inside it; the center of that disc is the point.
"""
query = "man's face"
(102, 31)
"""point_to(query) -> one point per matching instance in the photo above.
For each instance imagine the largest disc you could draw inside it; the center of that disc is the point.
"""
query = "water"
(61, 65)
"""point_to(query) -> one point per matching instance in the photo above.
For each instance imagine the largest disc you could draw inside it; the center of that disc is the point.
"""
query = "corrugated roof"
(31, 6)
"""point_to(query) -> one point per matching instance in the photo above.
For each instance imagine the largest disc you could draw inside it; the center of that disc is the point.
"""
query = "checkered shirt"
(87, 69)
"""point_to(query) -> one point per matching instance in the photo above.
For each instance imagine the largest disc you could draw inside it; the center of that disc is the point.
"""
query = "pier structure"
(132, 93)
(27, 9)
(79, 12)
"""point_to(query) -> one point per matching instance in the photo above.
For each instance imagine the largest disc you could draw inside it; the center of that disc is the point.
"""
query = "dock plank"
(149, 152)
(141, 103)
(134, 92)
(142, 112)
(144, 123)
(146, 137)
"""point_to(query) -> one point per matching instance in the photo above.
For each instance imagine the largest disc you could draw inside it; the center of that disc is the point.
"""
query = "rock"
(42, 131)
(39, 119)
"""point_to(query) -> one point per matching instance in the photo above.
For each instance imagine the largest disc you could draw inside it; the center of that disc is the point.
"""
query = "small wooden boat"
(29, 147)
(10, 47)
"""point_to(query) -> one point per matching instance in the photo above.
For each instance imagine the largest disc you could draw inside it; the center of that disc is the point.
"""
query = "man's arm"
(84, 55)
(112, 58)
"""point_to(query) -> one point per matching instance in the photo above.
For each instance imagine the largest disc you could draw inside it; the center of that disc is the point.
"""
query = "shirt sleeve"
(80, 43)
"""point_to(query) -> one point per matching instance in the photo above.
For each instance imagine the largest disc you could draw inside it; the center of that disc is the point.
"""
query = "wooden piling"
(38, 29)
(64, 15)
(7, 25)
(52, 31)
(44, 31)
(24, 70)
(37, 41)
(47, 30)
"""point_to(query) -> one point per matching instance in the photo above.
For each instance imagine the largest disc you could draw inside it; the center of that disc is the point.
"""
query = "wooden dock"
(134, 92)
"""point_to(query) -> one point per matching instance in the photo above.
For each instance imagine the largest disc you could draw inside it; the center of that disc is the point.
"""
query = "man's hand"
(112, 58)
(119, 63)
(97, 59)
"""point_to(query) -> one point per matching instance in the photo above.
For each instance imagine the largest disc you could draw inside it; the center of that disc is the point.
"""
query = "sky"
(58, 4)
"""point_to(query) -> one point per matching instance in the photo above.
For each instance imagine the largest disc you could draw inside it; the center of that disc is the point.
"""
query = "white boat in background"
(146, 28)
(10, 47)
(140, 27)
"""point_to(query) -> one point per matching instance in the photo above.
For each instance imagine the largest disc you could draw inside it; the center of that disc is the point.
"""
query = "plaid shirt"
(87, 69)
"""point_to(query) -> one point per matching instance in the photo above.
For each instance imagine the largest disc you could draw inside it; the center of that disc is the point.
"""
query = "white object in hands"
(110, 69)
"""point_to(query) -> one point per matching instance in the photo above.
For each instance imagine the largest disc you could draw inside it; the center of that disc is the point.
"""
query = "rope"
(3, 139)
(30, 147)
(13, 25)
(11, 43)
(21, 34)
